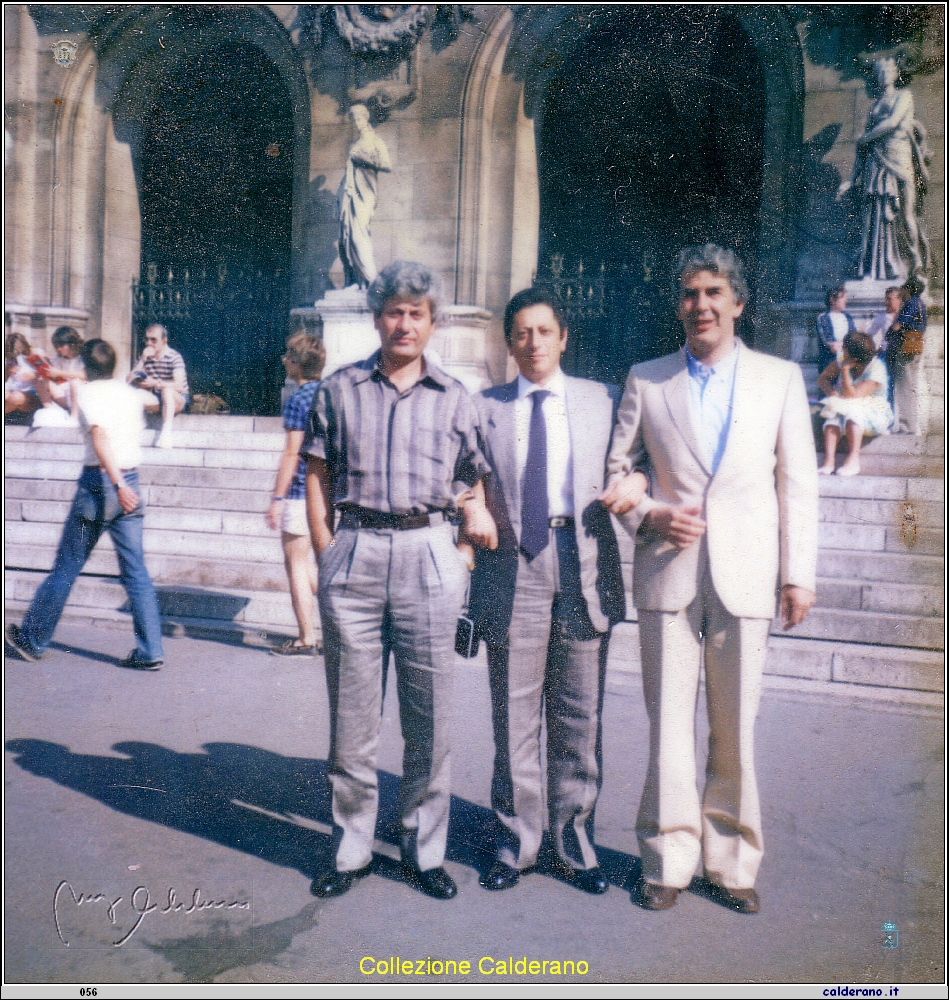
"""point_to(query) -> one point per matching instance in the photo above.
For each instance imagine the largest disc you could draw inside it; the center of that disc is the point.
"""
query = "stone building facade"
(181, 161)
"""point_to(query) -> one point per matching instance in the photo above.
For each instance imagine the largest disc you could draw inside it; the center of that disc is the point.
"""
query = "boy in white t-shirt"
(112, 418)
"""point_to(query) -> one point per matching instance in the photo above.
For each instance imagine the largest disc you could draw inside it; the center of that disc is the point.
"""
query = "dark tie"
(535, 523)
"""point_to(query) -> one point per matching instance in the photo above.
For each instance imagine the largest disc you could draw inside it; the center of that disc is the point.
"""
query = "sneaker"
(164, 440)
(16, 640)
(134, 662)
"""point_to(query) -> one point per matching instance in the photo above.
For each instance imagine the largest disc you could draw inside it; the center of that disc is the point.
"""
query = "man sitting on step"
(112, 418)
(161, 370)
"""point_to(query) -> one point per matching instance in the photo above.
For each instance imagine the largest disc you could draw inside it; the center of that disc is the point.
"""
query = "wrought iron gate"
(228, 323)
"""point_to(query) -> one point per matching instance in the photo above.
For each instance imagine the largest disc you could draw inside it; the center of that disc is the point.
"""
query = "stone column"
(460, 339)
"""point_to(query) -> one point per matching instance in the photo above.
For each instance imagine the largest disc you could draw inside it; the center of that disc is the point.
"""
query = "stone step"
(184, 439)
(881, 488)
(922, 466)
(820, 660)
(905, 444)
(91, 594)
(29, 492)
(879, 628)
(19, 453)
(196, 544)
(890, 567)
(157, 518)
(890, 513)
(193, 571)
(898, 598)
(176, 476)
(910, 538)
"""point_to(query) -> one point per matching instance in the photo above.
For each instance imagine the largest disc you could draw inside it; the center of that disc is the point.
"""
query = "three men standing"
(724, 434)
(721, 435)
(546, 597)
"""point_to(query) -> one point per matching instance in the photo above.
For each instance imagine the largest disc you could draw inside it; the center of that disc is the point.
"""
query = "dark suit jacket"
(591, 408)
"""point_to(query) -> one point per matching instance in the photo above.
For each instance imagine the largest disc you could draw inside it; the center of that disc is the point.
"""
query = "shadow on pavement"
(259, 802)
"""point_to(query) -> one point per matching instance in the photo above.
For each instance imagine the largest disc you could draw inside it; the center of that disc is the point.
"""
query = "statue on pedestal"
(368, 156)
(889, 177)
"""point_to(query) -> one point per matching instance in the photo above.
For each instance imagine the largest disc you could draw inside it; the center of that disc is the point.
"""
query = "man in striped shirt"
(161, 369)
(395, 451)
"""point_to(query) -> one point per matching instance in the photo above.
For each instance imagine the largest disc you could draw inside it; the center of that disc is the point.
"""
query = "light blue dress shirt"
(710, 403)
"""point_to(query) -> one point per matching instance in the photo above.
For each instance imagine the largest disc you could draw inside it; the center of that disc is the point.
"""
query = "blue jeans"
(94, 508)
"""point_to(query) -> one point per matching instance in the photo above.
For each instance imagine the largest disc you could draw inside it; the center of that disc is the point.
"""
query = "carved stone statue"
(890, 177)
(357, 200)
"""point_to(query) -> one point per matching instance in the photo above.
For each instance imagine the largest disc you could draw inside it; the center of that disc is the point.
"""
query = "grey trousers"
(673, 829)
(552, 663)
(409, 585)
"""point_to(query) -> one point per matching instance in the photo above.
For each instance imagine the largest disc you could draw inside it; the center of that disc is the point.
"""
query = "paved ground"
(210, 776)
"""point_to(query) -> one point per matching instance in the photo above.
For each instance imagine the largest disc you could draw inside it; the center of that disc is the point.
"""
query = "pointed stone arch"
(94, 224)
(506, 83)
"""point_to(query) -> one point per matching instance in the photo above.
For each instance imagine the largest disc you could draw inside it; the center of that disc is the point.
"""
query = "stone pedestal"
(460, 341)
(349, 335)
(348, 331)
(865, 298)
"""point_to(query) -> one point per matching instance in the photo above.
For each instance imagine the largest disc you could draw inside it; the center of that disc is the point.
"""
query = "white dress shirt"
(559, 458)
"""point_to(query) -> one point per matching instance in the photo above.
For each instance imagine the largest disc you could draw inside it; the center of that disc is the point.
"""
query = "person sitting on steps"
(161, 370)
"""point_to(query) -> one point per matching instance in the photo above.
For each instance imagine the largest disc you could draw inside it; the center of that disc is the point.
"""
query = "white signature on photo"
(141, 904)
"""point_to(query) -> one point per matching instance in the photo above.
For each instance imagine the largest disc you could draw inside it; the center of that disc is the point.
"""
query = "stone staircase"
(219, 568)
(216, 564)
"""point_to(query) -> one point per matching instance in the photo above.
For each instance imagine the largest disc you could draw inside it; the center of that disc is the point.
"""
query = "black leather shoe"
(501, 876)
(591, 880)
(588, 879)
(435, 882)
(335, 883)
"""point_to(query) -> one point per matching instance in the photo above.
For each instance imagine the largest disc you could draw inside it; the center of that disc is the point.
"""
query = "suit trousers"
(405, 588)
(552, 663)
(672, 828)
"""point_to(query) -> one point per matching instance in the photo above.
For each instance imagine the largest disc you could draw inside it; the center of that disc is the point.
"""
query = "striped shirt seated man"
(161, 369)
(395, 451)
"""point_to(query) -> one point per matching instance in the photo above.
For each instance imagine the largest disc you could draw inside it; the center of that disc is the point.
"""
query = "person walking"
(112, 418)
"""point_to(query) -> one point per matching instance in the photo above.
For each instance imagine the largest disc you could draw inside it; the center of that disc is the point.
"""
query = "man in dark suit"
(545, 599)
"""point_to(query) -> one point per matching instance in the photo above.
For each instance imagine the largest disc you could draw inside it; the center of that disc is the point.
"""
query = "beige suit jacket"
(760, 507)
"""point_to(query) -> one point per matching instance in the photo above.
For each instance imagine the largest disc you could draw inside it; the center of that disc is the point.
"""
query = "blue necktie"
(535, 522)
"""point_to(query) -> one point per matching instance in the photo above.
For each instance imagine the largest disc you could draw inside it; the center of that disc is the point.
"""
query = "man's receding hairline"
(707, 270)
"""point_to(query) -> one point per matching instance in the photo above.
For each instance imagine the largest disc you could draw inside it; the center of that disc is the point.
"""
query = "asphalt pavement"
(165, 828)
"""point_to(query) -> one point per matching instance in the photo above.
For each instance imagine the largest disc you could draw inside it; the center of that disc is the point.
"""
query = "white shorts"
(294, 518)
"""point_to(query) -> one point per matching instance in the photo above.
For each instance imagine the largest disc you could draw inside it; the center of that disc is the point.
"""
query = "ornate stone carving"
(382, 27)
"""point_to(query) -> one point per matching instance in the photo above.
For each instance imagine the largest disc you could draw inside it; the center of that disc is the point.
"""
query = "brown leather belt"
(365, 517)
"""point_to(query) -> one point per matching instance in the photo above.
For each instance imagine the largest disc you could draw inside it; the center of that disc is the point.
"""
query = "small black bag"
(466, 637)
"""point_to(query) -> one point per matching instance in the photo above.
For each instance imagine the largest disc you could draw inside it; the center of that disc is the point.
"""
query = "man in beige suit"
(724, 435)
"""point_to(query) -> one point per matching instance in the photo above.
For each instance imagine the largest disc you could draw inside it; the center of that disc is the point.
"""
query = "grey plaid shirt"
(395, 452)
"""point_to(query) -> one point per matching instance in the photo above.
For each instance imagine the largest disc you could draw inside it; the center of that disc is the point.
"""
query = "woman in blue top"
(303, 362)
